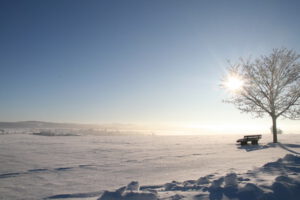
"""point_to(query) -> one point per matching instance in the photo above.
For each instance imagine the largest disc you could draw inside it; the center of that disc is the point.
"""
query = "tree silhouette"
(271, 85)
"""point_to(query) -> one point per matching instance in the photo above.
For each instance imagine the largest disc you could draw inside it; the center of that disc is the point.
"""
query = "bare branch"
(271, 85)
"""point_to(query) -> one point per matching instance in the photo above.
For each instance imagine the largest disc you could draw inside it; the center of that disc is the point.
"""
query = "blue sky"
(144, 62)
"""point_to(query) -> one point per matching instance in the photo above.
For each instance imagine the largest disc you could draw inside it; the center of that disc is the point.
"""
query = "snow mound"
(230, 180)
(232, 186)
(286, 187)
(133, 186)
(289, 163)
(203, 180)
(126, 193)
(292, 158)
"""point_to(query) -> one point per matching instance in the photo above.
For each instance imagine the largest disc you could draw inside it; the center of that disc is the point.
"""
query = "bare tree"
(268, 85)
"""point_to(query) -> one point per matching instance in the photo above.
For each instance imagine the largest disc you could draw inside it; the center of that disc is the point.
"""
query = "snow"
(154, 167)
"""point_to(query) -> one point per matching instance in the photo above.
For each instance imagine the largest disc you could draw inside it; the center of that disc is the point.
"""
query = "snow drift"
(248, 186)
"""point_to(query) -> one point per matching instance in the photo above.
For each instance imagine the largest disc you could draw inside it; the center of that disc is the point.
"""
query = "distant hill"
(37, 124)
(54, 125)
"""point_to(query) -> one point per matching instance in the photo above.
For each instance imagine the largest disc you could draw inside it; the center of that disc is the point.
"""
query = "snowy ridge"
(249, 186)
(258, 184)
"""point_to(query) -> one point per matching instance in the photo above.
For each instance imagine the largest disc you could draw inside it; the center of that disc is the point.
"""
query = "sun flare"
(234, 83)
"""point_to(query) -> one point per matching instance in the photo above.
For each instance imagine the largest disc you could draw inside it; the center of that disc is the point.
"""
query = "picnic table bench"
(253, 138)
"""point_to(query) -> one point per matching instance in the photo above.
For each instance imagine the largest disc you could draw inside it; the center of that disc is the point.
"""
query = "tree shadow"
(288, 146)
(250, 147)
(292, 145)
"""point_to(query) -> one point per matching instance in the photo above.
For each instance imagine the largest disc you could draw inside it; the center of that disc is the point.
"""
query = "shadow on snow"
(286, 147)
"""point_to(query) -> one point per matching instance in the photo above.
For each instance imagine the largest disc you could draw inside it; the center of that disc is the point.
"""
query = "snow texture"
(148, 167)
(230, 186)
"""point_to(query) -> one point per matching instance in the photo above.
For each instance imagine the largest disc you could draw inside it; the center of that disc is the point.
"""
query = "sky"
(155, 63)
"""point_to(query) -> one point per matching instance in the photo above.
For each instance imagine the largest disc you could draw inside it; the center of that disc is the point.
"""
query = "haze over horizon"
(150, 63)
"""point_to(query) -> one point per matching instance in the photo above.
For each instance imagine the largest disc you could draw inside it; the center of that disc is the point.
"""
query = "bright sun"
(234, 83)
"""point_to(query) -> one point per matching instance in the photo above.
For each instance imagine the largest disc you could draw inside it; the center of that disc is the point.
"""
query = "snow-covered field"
(39, 167)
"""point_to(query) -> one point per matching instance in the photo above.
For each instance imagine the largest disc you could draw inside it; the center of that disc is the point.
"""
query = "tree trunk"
(274, 118)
